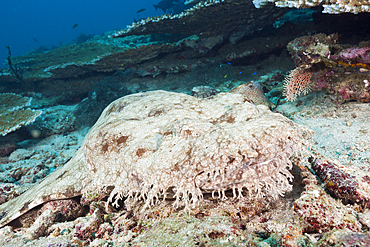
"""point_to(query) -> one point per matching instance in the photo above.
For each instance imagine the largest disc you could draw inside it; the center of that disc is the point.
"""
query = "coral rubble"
(323, 213)
(319, 212)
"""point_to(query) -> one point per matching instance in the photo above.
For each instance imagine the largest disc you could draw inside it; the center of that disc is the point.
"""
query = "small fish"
(74, 26)
(165, 5)
(140, 10)
(34, 39)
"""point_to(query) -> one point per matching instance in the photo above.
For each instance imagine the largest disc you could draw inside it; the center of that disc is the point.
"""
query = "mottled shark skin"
(147, 145)
(65, 182)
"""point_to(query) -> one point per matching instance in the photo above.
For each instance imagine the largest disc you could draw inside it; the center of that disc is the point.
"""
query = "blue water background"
(27, 25)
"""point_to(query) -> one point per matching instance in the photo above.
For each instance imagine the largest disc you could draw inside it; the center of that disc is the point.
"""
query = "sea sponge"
(157, 144)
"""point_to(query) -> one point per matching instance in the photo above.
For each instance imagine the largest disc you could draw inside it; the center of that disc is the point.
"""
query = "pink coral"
(360, 54)
(297, 82)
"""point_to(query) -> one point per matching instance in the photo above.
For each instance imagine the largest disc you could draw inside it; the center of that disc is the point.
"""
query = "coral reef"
(227, 162)
(356, 55)
(330, 7)
(235, 14)
(162, 144)
(99, 55)
(216, 230)
(313, 49)
(205, 44)
(156, 37)
(273, 84)
(8, 143)
(335, 67)
(51, 212)
(88, 226)
(8, 191)
(12, 112)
